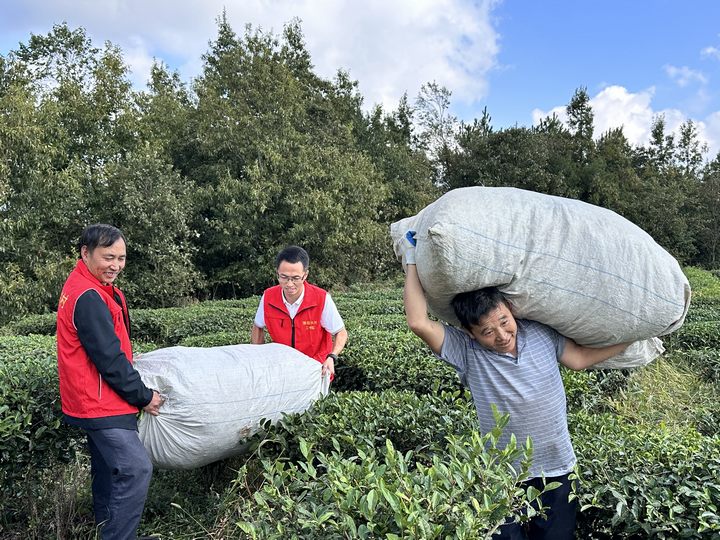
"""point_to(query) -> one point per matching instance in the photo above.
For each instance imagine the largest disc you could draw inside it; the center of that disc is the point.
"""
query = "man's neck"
(294, 299)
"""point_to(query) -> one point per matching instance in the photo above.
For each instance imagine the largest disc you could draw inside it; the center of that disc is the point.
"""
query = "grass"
(669, 392)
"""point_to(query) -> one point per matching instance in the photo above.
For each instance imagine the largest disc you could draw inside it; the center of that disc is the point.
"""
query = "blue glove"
(405, 249)
(410, 237)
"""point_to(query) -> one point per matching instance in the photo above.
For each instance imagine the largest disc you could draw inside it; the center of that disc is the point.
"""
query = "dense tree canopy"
(210, 178)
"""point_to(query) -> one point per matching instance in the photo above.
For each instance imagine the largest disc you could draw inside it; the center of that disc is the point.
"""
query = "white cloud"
(394, 47)
(615, 107)
(709, 130)
(712, 52)
(684, 76)
(389, 47)
(137, 57)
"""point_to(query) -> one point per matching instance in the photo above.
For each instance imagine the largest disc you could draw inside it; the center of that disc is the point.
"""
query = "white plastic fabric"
(217, 396)
(589, 273)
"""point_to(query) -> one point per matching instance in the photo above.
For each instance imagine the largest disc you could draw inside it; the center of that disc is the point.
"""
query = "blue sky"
(520, 59)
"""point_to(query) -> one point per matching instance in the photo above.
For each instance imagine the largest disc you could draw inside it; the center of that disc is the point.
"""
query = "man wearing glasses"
(299, 314)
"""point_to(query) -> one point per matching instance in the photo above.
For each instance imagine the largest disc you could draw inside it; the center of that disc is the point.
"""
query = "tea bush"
(353, 419)
(695, 335)
(216, 339)
(14, 348)
(166, 326)
(32, 324)
(590, 390)
(464, 493)
(704, 284)
(247, 304)
(703, 311)
(393, 321)
(372, 304)
(376, 360)
(399, 421)
(644, 480)
(169, 326)
(31, 437)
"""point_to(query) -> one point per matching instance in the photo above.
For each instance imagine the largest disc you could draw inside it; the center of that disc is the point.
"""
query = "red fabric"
(310, 338)
(83, 393)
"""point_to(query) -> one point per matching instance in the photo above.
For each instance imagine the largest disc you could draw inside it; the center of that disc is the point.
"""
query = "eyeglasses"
(295, 279)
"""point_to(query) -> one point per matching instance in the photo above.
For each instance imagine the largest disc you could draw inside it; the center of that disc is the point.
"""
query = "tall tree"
(616, 183)
(72, 123)
(437, 125)
(580, 122)
(150, 202)
(41, 194)
(390, 142)
(276, 162)
(534, 159)
(690, 150)
(709, 208)
(665, 205)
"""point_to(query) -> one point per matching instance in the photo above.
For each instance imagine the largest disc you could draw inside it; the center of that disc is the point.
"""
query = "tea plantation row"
(392, 452)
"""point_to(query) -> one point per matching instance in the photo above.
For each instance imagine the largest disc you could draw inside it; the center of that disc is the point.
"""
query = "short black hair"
(293, 254)
(99, 235)
(471, 306)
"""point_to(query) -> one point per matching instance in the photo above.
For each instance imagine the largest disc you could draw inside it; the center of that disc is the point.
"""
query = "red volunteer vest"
(83, 392)
(304, 332)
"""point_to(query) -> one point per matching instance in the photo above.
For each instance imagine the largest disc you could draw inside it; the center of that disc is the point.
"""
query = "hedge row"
(411, 422)
(392, 321)
(31, 437)
(645, 481)
(15, 348)
(704, 284)
(216, 339)
(353, 307)
(170, 326)
(376, 360)
(463, 493)
(32, 324)
(695, 335)
(166, 327)
(701, 312)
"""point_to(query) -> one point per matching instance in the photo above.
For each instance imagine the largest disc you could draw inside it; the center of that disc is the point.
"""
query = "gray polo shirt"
(528, 387)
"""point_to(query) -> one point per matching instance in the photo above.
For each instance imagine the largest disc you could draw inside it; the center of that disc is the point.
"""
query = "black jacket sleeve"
(97, 334)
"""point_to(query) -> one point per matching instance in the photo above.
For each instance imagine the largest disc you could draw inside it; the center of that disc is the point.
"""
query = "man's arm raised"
(431, 332)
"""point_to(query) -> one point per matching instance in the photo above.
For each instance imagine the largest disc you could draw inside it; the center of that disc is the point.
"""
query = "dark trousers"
(121, 470)
(559, 523)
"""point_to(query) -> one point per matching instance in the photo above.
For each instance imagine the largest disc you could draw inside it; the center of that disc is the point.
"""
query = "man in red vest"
(100, 391)
(299, 314)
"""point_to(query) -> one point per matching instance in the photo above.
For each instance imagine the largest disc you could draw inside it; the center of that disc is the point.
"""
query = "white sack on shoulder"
(217, 396)
(586, 271)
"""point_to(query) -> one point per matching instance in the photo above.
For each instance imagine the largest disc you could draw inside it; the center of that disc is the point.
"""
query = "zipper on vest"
(292, 332)
(99, 386)
(123, 310)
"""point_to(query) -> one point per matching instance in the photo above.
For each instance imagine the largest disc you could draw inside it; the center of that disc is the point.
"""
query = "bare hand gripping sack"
(216, 397)
(587, 272)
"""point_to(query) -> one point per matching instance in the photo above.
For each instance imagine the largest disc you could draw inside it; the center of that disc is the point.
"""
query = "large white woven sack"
(217, 396)
(587, 272)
